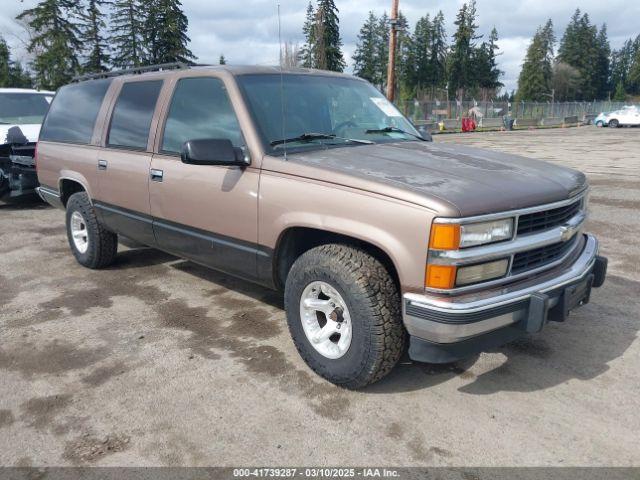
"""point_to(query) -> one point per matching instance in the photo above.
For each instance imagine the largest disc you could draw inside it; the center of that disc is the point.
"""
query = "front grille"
(535, 222)
(539, 257)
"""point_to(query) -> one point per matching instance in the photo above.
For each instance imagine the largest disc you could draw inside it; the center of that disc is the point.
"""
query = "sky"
(246, 31)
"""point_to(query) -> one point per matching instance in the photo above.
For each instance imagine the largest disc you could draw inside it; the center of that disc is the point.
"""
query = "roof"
(25, 90)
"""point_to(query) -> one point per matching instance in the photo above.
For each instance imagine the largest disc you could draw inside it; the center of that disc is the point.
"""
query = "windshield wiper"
(396, 130)
(307, 137)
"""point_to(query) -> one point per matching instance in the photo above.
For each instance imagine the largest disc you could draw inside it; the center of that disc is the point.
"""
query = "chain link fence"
(530, 113)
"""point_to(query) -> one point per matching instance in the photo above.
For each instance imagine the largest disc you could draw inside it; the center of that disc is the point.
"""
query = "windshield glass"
(23, 108)
(353, 112)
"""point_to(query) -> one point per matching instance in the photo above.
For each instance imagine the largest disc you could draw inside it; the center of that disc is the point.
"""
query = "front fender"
(399, 229)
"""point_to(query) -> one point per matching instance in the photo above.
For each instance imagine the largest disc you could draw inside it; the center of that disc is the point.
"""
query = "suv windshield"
(23, 108)
(321, 111)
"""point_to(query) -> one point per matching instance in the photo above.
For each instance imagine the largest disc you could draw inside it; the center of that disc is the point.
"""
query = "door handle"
(156, 175)
(102, 164)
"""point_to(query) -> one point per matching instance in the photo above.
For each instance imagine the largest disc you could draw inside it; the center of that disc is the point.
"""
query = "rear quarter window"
(73, 112)
(131, 119)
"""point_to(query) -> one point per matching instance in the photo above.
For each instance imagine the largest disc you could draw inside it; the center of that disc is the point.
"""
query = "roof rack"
(136, 70)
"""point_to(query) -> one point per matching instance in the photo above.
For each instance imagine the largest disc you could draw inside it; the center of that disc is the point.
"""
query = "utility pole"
(391, 69)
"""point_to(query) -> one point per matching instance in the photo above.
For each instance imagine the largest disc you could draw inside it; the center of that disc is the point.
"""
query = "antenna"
(284, 138)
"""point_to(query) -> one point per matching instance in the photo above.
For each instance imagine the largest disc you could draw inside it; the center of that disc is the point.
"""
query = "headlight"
(449, 236)
(454, 236)
(482, 272)
(486, 232)
(449, 276)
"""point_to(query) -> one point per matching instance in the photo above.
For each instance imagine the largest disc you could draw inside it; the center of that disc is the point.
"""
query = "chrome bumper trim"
(489, 300)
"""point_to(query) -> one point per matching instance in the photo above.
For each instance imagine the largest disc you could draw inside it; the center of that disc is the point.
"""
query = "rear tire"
(614, 123)
(372, 314)
(91, 244)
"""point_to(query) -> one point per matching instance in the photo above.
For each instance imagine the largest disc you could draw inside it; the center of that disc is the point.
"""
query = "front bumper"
(446, 328)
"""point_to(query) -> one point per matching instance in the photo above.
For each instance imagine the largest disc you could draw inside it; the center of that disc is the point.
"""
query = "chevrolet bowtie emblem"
(565, 233)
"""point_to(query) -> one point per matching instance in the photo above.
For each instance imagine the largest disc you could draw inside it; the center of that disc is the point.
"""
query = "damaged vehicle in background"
(21, 114)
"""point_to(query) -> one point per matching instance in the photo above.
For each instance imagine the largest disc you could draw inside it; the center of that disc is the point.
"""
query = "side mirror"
(212, 151)
(424, 133)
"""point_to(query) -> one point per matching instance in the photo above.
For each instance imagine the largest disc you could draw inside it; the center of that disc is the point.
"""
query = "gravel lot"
(157, 361)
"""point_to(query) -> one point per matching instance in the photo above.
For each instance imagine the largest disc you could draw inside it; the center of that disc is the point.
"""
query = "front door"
(206, 213)
(124, 163)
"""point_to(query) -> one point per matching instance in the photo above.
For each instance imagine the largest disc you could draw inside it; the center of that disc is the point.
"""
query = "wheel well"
(296, 241)
(68, 188)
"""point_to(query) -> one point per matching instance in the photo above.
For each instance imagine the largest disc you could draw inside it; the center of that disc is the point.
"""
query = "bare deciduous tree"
(290, 55)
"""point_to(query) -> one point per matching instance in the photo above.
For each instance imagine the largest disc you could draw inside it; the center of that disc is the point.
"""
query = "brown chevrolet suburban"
(313, 183)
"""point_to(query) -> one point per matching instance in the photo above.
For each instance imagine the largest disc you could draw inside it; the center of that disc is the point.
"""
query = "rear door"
(124, 162)
(207, 213)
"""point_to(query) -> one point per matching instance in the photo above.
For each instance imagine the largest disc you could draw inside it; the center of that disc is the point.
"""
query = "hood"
(30, 131)
(450, 179)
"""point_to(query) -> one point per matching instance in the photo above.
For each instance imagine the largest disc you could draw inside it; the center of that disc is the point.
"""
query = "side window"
(73, 113)
(132, 114)
(200, 109)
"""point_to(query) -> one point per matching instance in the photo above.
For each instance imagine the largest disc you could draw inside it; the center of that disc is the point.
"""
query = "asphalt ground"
(157, 361)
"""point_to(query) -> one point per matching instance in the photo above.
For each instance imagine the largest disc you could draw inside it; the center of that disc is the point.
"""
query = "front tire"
(91, 244)
(340, 295)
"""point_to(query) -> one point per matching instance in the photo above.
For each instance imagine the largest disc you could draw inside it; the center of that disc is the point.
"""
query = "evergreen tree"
(634, 70)
(18, 76)
(307, 54)
(404, 56)
(579, 48)
(91, 35)
(12, 75)
(461, 75)
(534, 82)
(126, 34)
(222, 60)
(416, 57)
(420, 74)
(55, 43)
(438, 51)
(620, 94)
(328, 54)
(165, 32)
(383, 32)
(603, 64)
(621, 61)
(365, 56)
(486, 67)
(5, 69)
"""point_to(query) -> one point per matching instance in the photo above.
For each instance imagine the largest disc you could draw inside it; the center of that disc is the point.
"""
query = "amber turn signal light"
(444, 236)
(440, 276)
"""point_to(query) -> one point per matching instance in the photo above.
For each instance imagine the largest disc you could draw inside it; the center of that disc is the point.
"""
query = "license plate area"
(572, 296)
